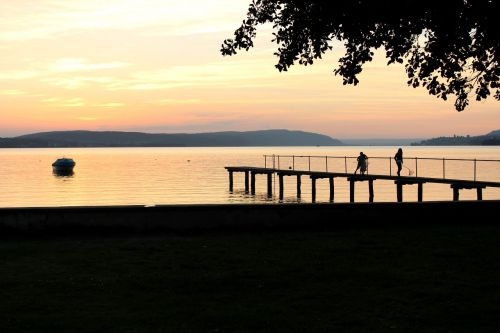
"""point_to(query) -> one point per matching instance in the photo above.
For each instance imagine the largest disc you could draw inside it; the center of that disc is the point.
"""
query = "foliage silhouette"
(450, 47)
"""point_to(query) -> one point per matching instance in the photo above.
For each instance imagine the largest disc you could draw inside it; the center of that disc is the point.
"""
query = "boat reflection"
(63, 173)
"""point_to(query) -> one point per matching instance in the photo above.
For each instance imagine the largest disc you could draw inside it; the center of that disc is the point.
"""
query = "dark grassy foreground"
(432, 279)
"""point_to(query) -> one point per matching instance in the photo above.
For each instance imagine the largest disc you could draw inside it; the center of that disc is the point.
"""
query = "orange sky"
(155, 66)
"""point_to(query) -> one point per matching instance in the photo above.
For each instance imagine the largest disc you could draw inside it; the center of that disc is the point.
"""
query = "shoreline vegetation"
(490, 139)
(432, 267)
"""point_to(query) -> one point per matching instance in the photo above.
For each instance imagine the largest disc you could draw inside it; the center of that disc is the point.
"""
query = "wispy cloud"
(65, 73)
(12, 92)
(23, 20)
(110, 105)
(80, 102)
(173, 101)
(80, 65)
(65, 102)
(76, 82)
(87, 118)
(73, 102)
(214, 74)
(18, 75)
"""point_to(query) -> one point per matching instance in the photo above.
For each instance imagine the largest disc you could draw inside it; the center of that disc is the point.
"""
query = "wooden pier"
(400, 181)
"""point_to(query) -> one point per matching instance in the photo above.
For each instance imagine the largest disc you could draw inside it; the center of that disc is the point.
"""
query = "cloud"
(79, 102)
(77, 82)
(12, 92)
(167, 101)
(52, 18)
(215, 74)
(65, 102)
(73, 102)
(80, 64)
(18, 75)
(87, 118)
(110, 105)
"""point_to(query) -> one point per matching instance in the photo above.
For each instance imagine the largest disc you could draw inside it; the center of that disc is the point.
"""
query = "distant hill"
(490, 139)
(137, 139)
(494, 133)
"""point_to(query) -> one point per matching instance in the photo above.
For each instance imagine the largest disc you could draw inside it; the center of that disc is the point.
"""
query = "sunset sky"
(155, 66)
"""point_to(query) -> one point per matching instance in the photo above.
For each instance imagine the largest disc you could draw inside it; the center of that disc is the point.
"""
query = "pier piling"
(351, 190)
(230, 181)
(269, 185)
(370, 189)
(252, 182)
(399, 189)
(246, 182)
(313, 189)
(420, 192)
(332, 189)
(299, 185)
(456, 193)
(280, 176)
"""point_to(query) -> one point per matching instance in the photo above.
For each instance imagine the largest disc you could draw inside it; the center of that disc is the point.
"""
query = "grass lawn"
(433, 279)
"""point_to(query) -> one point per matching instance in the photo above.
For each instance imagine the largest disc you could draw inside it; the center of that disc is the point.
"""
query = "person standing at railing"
(362, 163)
(399, 160)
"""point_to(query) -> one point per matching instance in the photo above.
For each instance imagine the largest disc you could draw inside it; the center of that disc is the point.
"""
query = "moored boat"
(63, 165)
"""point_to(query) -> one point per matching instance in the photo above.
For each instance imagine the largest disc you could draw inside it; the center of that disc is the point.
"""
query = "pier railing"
(413, 166)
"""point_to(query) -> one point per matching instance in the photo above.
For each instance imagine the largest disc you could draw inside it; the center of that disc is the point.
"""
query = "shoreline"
(242, 217)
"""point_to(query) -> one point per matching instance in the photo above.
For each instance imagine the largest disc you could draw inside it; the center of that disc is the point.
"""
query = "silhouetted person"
(399, 160)
(362, 163)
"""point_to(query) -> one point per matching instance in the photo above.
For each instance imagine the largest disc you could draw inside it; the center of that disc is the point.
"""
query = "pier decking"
(250, 173)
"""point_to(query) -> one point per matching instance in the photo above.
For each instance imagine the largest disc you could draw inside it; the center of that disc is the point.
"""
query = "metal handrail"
(385, 157)
(416, 159)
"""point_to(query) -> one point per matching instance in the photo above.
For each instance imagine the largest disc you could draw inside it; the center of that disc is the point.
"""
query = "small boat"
(63, 166)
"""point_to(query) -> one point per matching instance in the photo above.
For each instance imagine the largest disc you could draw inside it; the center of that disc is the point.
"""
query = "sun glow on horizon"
(155, 66)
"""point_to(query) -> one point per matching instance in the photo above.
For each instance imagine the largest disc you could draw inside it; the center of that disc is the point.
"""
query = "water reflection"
(63, 173)
(138, 176)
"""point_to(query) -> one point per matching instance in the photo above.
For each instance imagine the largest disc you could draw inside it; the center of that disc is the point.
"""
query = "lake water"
(155, 176)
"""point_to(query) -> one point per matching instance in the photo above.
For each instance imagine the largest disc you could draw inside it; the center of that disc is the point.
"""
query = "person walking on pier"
(362, 163)
(399, 160)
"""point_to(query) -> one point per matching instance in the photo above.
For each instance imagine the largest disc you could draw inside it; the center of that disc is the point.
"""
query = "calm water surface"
(154, 176)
